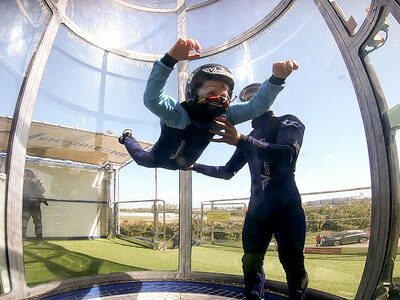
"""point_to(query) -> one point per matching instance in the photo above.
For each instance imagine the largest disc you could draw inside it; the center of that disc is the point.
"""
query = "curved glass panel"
(229, 24)
(190, 3)
(353, 13)
(154, 4)
(71, 200)
(122, 27)
(4, 278)
(21, 28)
(333, 156)
(383, 60)
(21, 31)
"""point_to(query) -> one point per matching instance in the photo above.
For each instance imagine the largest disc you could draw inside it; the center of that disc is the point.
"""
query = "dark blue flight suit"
(271, 150)
(183, 137)
(175, 149)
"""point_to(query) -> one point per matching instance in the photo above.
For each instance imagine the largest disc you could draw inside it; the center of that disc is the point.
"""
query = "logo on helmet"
(217, 71)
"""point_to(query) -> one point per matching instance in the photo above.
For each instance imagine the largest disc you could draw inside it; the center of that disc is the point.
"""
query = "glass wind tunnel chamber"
(72, 76)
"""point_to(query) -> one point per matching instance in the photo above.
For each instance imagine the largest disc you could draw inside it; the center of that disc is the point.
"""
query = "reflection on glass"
(353, 13)
(86, 98)
(383, 60)
(63, 203)
(22, 25)
(228, 18)
(22, 28)
(123, 27)
(4, 279)
(33, 197)
(333, 156)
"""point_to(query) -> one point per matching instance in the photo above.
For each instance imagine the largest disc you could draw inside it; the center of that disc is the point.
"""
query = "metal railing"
(213, 203)
(155, 242)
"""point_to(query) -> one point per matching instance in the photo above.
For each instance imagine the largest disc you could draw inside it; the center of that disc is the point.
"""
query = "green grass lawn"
(59, 260)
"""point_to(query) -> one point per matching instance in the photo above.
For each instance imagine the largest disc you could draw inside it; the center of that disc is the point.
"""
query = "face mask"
(216, 101)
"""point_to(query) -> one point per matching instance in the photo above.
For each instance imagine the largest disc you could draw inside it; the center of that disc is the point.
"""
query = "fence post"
(155, 214)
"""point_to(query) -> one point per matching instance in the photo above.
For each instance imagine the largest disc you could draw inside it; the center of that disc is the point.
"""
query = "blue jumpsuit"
(182, 139)
(271, 151)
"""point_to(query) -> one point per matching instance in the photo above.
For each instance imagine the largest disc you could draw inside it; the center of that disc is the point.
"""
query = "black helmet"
(29, 173)
(207, 72)
(249, 91)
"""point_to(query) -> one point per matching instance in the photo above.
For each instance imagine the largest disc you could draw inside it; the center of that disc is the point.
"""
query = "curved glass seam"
(380, 64)
(144, 9)
(267, 21)
(161, 11)
(349, 13)
(165, 10)
(257, 28)
(379, 164)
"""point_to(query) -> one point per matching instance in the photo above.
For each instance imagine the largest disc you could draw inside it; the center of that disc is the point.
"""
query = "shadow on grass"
(50, 262)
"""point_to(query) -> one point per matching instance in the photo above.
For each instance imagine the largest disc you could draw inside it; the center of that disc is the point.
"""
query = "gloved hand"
(45, 202)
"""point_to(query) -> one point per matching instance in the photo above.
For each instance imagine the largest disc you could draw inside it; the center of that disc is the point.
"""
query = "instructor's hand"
(229, 133)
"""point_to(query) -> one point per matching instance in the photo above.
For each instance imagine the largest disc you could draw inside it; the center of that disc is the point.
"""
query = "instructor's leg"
(290, 233)
(37, 221)
(255, 242)
(26, 214)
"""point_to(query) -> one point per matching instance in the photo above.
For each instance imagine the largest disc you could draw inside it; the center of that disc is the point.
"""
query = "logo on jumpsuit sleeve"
(288, 122)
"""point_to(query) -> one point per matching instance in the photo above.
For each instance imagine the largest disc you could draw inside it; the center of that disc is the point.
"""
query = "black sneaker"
(127, 132)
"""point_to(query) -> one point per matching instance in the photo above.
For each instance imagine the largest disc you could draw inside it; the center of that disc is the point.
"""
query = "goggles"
(218, 101)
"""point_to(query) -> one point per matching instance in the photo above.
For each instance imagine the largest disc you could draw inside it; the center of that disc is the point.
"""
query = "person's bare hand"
(229, 133)
(283, 69)
(185, 49)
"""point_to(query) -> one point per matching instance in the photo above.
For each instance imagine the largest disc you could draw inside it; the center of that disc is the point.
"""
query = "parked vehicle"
(346, 237)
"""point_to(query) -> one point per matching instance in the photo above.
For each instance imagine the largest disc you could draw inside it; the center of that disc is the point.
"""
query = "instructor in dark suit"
(33, 197)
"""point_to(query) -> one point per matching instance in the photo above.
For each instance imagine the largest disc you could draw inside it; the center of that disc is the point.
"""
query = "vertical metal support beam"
(185, 223)
(110, 196)
(112, 202)
(165, 225)
(201, 222)
(212, 223)
(373, 108)
(16, 160)
(185, 177)
(155, 221)
(155, 184)
(116, 203)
